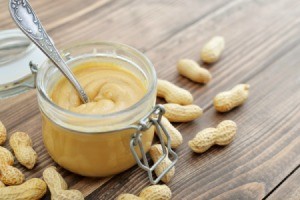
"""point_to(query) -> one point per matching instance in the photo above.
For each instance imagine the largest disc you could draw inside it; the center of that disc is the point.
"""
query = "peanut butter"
(110, 88)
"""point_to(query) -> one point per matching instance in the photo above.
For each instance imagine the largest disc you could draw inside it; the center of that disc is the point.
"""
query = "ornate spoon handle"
(28, 22)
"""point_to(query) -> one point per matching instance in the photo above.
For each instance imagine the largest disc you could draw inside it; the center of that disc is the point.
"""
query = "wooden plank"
(141, 24)
(122, 21)
(53, 13)
(289, 189)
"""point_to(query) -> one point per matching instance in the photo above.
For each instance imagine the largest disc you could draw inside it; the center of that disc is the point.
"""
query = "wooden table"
(262, 49)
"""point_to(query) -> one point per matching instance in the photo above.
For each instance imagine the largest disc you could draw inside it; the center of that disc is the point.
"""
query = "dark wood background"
(262, 49)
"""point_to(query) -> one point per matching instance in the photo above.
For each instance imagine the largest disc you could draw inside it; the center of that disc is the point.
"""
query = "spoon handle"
(28, 22)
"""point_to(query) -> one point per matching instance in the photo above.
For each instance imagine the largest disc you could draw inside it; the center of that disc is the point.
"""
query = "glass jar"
(102, 145)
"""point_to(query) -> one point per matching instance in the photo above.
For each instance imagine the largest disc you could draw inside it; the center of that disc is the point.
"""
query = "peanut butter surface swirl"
(110, 88)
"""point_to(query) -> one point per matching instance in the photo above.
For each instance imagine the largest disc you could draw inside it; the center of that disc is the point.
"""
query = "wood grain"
(54, 12)
(262, 48)
(290, 189)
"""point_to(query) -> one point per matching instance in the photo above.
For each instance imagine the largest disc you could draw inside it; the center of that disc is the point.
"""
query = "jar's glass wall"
(95, 155)
(95, 145)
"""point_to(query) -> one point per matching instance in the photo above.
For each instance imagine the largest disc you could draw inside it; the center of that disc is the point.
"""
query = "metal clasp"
(34, 70)
(153, 118)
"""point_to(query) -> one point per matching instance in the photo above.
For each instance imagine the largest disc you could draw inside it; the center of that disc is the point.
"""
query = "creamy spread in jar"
(110, 89)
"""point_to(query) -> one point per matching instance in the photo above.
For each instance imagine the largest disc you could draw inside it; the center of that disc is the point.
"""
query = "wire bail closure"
(153, 118)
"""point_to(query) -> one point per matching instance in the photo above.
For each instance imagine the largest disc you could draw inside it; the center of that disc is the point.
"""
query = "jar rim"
(132, 50)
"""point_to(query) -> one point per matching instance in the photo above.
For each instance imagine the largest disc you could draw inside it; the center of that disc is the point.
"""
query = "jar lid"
(16, 52)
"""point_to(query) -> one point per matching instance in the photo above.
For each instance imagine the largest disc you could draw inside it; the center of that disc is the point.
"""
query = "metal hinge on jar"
(153, 119)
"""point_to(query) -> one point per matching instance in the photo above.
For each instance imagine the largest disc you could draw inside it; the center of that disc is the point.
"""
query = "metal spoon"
(28, 22)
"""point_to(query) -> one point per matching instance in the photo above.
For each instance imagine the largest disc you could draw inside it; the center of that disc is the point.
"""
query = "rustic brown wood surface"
(290, 188)
(262, 49)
